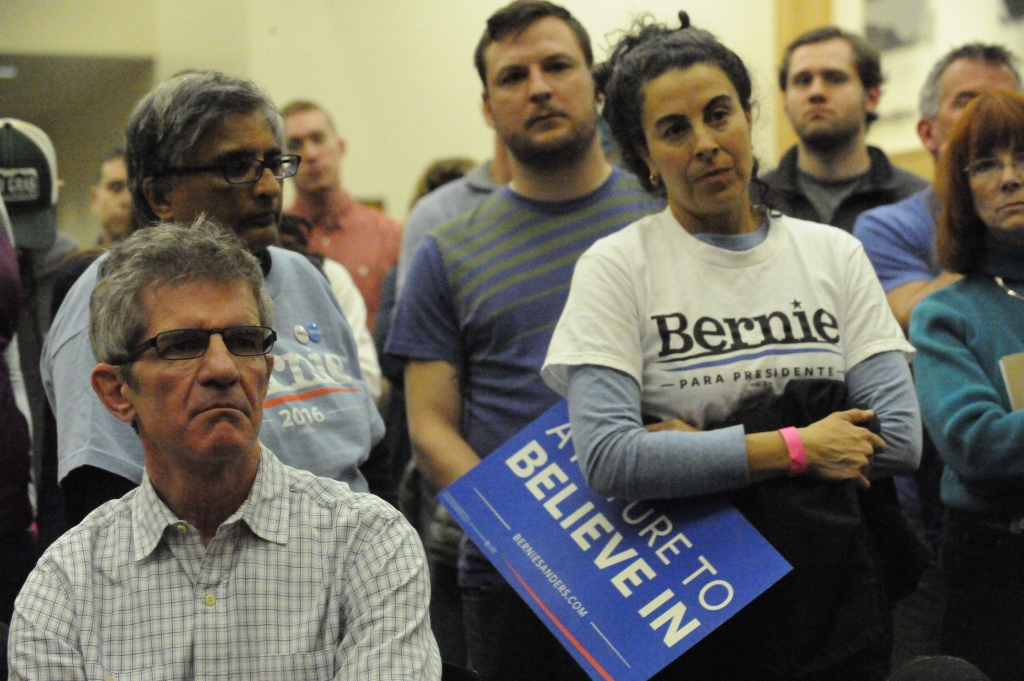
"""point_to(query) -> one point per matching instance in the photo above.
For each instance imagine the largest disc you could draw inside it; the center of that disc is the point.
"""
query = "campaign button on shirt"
(313, 331)
(302, 335)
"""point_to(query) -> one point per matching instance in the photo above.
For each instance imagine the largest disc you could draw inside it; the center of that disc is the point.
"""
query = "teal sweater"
(960, 333)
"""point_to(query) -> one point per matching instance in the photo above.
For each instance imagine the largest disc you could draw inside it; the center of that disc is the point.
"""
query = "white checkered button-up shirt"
(307, 580)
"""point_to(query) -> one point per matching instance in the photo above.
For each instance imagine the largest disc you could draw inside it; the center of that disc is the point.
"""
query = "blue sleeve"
(426, 325)
(422, 218)
(87, 434)
(620, 458)
(883, 383)
(980, 439)
(899, 244)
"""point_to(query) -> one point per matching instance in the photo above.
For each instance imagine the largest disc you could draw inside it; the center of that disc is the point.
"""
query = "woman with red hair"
(963, 334)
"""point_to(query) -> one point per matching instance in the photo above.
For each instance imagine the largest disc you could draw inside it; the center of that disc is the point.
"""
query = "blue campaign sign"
(626, 587)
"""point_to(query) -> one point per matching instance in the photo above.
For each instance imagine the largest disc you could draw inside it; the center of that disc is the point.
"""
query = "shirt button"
(110, 678)
(181, 528)
(210, 599)
(363, 270)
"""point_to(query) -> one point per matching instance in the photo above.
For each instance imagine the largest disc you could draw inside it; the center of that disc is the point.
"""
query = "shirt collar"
(264, 511)
(479, 177)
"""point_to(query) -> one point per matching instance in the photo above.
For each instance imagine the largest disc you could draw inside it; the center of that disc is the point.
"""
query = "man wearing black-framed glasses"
(225, 562)
(209, 144)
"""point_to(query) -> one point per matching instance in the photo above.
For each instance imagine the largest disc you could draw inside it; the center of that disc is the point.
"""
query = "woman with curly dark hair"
(970, 337)
(747, 336)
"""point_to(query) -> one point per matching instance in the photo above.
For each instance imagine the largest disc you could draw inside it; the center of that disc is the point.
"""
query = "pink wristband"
(797, 455)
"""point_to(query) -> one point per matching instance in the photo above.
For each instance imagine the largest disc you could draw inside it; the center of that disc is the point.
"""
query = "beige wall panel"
(792, 18)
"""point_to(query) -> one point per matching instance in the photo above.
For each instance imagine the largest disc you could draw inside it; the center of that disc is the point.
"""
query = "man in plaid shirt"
(225, 563)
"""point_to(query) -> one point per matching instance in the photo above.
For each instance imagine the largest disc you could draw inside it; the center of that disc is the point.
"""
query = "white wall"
(949, 23)
(396, 74)
(398, 77)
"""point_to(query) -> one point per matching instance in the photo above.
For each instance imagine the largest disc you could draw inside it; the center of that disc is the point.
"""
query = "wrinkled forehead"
(969, 78)
(235, 135)
(173, 304)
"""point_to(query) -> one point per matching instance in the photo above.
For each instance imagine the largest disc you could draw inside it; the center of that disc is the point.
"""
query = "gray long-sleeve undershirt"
(621, 458)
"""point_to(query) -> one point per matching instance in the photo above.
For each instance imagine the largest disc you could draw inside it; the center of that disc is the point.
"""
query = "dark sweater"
(885, 184)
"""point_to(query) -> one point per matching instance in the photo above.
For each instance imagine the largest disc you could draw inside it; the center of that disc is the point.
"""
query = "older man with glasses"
(208, 144)
(225, 563)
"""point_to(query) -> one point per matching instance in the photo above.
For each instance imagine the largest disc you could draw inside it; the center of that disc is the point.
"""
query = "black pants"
(506, 641)
(87, 488)
(18, 555)
(983, 576)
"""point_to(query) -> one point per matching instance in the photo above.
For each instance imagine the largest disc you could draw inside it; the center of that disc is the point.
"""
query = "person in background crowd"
(31, 187)
(17, 545)
(457, 197)
(831, 83)
(900, 238)
(656, 298)
(295, 575)
(363, 239)
(294, 235)
(441, 534)
(440, 173)
(110, 201)
(939, 668)
(204, 142)
(969, 370)
(485, 289)
(900, 241)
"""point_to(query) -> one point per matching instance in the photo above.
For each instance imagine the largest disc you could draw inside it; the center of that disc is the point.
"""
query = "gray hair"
(168, 122)
(165, 254)
(992, 55)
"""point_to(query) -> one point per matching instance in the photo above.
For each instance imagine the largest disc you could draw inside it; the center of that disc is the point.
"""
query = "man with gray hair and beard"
(225, 563)
(206, 143)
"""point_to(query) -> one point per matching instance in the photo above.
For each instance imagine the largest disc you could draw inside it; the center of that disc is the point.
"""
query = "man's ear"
(872, 96)
(157, 199)
(111, 388)
(341, 147)
(926, 131)
(486, 108)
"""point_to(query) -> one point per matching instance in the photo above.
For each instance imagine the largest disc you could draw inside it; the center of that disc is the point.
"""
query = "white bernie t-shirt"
(701, 328)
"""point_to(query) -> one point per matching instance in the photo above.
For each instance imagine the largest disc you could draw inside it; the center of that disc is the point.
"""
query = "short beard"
(564, 153)
(827, 142)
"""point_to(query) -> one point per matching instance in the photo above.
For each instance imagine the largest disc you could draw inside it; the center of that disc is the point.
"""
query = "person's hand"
(838, 449)
(671, 424)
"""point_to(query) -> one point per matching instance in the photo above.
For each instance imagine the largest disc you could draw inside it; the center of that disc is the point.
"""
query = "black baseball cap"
(28, 183)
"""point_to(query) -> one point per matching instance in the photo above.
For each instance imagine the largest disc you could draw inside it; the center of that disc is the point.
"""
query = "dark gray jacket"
(886, 184)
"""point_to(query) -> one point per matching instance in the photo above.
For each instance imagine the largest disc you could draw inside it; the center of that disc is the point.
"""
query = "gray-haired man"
(225, 563)
(206, 143)
(900, 239)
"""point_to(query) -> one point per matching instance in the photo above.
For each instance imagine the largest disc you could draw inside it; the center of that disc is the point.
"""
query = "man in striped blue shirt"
(485, 290)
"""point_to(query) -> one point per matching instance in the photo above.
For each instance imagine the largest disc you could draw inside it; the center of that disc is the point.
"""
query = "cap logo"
(19, 184)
